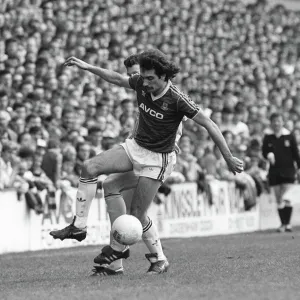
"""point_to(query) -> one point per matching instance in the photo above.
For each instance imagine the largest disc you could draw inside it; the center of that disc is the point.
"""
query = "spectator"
(190, 168)
(9, 164)
(26, 154)
(128, 110)
(3, 100)
(52, 161)
(84, 152)
(4, 128)
(209, 163)
(69, 177)
(25, 178)
(68, 121)
(20, 110)
(240, 128)
(240, 63)
(40, 179)
(95, 138)
(227, 120)
(25, 140)
(34, 120)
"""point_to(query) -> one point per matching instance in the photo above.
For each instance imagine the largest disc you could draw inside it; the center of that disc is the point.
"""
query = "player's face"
(135, 69)
(277, 124)
(152, 82)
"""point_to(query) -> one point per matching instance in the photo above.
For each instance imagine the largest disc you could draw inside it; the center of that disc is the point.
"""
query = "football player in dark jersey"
(150, 154)
(118, 183)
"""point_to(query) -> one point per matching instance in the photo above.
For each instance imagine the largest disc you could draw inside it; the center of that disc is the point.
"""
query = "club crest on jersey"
(287, 143)
(151, 112)
(164, 106)
(144, 93)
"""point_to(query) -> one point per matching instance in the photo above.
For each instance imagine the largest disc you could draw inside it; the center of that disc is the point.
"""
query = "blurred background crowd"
(240, 62)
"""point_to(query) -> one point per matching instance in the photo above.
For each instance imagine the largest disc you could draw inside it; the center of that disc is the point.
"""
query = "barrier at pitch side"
(14, 223)
(40, 225)
(29, 231)
(187, 213)
(183, 213)
(268, 208)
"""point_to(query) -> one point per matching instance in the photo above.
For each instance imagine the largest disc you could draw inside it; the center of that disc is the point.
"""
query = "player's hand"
(271, 158)
(73, 61)
(235, 165)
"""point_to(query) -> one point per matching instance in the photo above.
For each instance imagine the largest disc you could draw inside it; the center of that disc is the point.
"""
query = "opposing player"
(150, 154)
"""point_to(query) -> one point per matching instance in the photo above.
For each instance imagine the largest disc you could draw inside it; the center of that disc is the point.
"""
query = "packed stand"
(239, 62)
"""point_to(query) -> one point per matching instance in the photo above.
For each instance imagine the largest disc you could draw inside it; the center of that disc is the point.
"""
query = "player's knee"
(109, 186)
(89, 170)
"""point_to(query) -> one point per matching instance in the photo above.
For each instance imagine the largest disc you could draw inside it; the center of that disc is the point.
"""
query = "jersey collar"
(162, 93)
(283, 131)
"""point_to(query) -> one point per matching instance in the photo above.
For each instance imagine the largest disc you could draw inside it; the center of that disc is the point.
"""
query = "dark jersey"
(159, 118)
(286, 155)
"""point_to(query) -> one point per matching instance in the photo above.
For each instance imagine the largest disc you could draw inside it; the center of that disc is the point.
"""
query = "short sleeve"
(133, 81)
(187, 106)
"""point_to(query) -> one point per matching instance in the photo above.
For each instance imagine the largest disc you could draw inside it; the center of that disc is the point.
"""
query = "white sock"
(115, 208)
(151, 238)
(85, 194)
(117, 264)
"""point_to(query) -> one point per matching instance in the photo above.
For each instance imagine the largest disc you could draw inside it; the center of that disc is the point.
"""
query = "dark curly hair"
(155, 59)
(131, 61)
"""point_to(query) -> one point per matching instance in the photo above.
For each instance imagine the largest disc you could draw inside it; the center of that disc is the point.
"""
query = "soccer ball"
(127, 230)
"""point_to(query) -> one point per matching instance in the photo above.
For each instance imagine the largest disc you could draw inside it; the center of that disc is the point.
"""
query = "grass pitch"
(256, 266)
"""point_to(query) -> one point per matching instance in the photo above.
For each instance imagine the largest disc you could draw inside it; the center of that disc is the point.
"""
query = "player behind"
(131, 64)
(280, 149)
(150, 154)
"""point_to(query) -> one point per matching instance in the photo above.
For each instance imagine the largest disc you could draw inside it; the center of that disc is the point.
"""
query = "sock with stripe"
(85, 194)
(151, 239)
(115, 208)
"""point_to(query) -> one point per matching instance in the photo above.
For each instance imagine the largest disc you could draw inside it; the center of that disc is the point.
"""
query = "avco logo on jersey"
(151, 112)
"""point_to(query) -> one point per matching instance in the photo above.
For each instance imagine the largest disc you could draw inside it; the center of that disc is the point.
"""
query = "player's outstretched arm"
(107, 75)
(234, 164)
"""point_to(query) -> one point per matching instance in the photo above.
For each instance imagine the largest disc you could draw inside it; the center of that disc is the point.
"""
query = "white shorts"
(147, 163)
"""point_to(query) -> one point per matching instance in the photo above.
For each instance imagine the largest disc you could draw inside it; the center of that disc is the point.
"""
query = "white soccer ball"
(127, 230)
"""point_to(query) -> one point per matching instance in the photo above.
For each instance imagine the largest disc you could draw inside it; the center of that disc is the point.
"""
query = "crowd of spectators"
(239, 62)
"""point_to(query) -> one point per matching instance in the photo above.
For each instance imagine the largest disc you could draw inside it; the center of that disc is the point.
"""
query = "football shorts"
(147, 163)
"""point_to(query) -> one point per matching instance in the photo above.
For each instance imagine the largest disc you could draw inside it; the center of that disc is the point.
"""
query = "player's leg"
(114, 160)
(127, 196)
(118, 191)
(156, 169)
(288, 207)
(144, 194)
(118, 201)
(142, 199)
(152, 167)
(280, 206)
